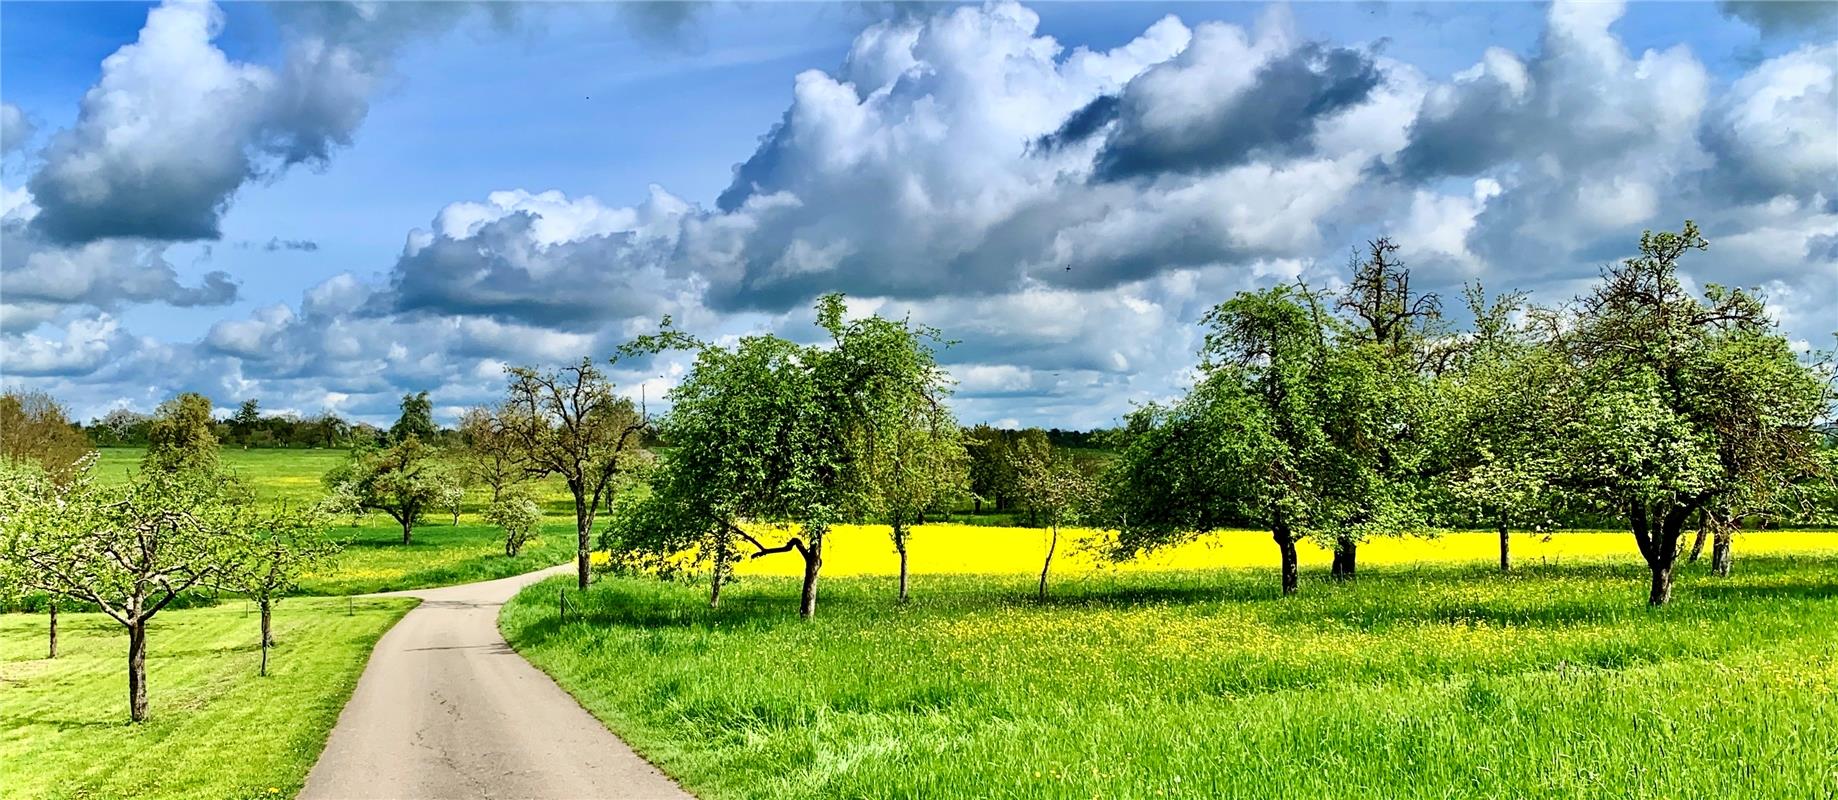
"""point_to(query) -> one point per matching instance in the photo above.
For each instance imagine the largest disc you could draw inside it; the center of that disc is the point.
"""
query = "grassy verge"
(217, 730)
(1415, 681)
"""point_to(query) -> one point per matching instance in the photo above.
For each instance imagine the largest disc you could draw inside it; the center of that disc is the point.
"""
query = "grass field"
(1414, 681)
(374, 559)
(216, 730)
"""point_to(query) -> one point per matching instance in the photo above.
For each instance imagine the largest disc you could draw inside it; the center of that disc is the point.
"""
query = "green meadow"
(216, 729)
(374, 558)
(1413, 681)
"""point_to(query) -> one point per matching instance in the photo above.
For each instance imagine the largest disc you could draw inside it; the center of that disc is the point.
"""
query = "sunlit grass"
(216, 730)
(374, 558)
(1414, 681)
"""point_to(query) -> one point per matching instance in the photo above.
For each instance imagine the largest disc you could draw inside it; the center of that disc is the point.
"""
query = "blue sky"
(145, 244)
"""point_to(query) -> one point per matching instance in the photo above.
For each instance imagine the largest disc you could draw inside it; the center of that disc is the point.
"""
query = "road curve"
(447, 710)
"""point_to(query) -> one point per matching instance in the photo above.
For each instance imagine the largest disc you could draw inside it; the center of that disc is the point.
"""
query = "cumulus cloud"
(1066, 214)
(174, 127)
(543, 258)
(105, 274)
(15, 128)
(1776, 131)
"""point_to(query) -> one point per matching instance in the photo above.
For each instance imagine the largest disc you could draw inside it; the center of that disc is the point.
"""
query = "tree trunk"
(719, 574)
(581, 529)
(408, 528)
(1720, 551)
(1506, 549)
(1052, 545)
(53, 649)
(979, 505)
(1658, 535)
(1346, 554)
(1697, 545)
(1662, 586)
(899, 544)
(137, 671)
(1287, 544)
(267, 638)
(813, 561)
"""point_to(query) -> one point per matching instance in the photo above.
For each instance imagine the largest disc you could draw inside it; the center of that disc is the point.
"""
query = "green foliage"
(1678, 403)
(769, 430)
(180, 437)
(417, 419)
(518, 515)
(404, 481)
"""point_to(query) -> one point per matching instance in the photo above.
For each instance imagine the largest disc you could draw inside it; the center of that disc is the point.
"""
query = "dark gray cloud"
(541, 259)
(103, 275)
(1784, 17)
(1469, 126)
(1083, 124)
(1274, 116)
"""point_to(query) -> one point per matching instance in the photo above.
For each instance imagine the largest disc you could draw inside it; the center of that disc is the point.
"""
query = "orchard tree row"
(1326, 417)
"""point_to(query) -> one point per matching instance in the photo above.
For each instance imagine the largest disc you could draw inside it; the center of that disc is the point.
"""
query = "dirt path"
(446, 709)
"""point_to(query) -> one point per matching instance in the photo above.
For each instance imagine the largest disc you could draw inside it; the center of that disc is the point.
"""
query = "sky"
(323, 206)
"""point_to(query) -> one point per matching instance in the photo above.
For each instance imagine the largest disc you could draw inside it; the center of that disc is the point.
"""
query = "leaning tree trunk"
(1346, 558)
(813, 561)
(267, 606)
(1506, 548)
(1720, 556)
(1286, 543)
(1052, 545)
(1697, 545)
(899, 545)
(53, 648)
(137, 671)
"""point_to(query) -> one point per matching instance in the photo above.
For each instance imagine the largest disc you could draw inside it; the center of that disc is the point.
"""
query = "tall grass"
(1414, 681)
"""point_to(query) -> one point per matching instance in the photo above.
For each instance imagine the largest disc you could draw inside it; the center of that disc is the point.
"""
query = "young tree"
(1680, 402)
(489, 456)
(403, 481)
(1056, 492)
(130, 552)
(417, 419)
(275, 548)
(917, 462)
(27, 492)
(453, 498)
(518, 515)
(1498, 454)
(570, 423)
(35, 429)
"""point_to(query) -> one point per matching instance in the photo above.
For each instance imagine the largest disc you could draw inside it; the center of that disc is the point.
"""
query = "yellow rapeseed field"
(983, 550)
